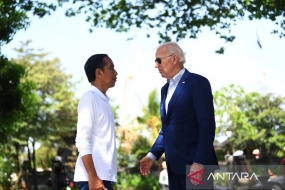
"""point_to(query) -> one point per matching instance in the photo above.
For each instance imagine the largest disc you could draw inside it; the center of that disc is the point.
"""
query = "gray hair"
(173, 47)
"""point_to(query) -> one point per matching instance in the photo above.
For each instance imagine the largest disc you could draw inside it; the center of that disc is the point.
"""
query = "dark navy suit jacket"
(188, 129)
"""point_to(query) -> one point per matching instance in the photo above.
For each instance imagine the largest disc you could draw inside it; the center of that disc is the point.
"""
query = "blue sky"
(244, 63)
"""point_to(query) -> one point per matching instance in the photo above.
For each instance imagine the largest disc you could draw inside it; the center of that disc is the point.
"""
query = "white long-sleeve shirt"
(96, 136)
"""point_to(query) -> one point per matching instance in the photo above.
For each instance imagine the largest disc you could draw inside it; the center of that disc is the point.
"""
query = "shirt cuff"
(84, 152)
(151, 156)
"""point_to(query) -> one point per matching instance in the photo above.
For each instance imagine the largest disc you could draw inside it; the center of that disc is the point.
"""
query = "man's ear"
(98, 73)
(175, 59)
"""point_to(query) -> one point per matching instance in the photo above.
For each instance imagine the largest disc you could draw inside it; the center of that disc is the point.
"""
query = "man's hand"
(145, 165)
(95, 183)
(195, 168)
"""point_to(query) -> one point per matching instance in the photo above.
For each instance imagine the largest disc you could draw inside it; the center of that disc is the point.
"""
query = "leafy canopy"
(56, 106)
(14, 16)
(178, 18)
(251, 120)
(173, 20)
(17, 98)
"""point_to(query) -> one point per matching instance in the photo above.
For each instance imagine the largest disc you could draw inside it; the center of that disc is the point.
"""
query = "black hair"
(94, 62)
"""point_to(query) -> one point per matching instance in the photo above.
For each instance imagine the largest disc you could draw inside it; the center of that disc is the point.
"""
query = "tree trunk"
(16, 157)
(17, 163)
(34, 167)
(29, 167)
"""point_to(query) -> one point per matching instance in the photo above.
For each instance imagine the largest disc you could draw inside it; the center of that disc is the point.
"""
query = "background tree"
(18, 101)
(151, 124)
(229, 116)
(250, 120)
(138, 140)
(9, 166)
(175, 19)
(55, 116)
(178, 19)
(18, 98)
(267, 113)
(151, 116)
(44, 155)
(56, 108)
(13, 93)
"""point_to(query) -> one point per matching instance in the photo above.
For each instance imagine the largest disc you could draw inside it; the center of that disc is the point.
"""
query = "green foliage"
(151, 116)
(116, 116)
(178, 19)
(48, 113)
(7, 169)
(254, 121)
(17, 98)
(17, 103)
(153, 104)
(149, 123)
(267, 113)
(220, 155)
(73, 188)
(140, 148)
(124, 160)
(44, 155)
(14, 17)
(136, 181)
(10, 165)
(221, 181)
(56, 108)
(257, 169)
(230, 117)
(152, 108)
(175, 20)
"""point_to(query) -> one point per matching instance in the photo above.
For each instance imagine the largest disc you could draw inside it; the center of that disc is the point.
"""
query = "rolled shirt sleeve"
(85, 123)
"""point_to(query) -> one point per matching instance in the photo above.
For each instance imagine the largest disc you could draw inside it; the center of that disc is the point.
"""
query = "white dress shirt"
(171, 88)
(96, 136)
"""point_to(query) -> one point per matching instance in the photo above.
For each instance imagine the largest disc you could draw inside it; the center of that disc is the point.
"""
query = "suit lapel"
(178, 90)
(162, 104)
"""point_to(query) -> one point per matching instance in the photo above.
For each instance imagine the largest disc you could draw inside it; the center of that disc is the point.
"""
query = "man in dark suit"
(188, 124)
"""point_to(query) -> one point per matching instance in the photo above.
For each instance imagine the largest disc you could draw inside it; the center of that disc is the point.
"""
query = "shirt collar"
(100, 94)
(177, 77)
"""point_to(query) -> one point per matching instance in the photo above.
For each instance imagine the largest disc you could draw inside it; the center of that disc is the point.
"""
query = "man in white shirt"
(96, 166)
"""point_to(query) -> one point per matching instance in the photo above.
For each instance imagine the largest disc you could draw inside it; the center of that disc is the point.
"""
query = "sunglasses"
(158, 60)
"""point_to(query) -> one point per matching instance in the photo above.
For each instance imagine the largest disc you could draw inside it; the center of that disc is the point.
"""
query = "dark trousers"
(83, 185)
(182, 182)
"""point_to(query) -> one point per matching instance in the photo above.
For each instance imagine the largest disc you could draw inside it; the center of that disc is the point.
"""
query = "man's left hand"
(195, 167)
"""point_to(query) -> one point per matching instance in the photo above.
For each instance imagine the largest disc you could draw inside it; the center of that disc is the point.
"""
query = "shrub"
(136, 182)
